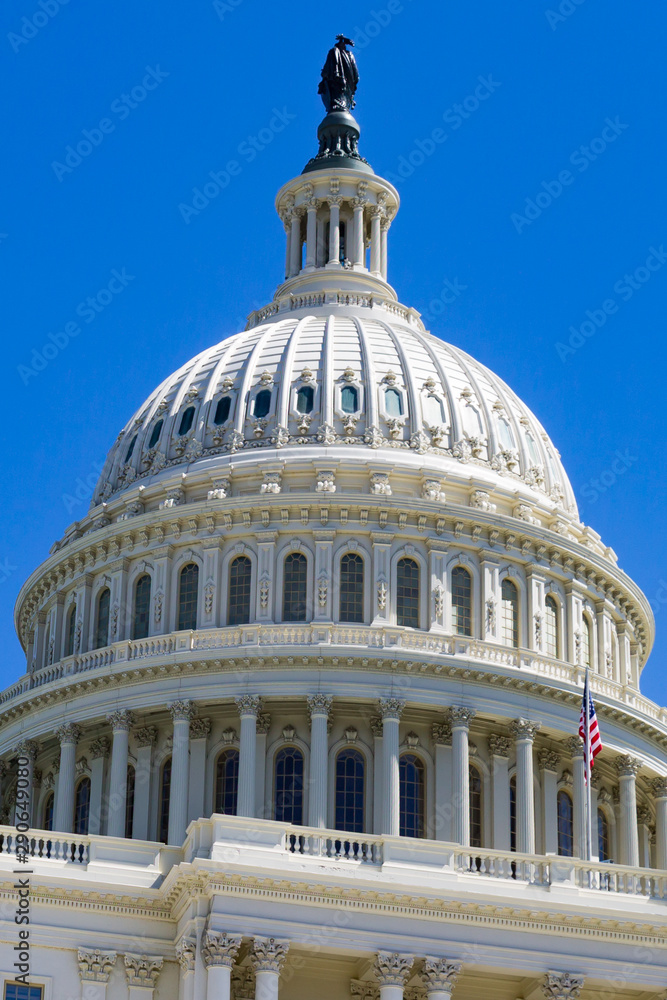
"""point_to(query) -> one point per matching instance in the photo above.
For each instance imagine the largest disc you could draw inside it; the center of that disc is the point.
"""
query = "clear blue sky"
(217, 74)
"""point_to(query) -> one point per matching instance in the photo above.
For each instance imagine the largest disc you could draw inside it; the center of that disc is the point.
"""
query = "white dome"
(407, 391)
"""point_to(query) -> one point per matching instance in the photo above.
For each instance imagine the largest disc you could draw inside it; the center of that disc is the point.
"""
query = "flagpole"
(587, 767)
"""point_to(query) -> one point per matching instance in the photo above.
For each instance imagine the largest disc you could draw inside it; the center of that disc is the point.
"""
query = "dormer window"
(349, 399)
(155, 436)
(393, 403)
(305, 398)
(262, 403)
(186, 421)
(222, 410)
(128, 454)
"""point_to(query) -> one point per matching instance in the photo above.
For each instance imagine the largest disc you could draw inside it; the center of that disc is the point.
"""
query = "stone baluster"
(549, 762)
(181, 712)
(460, 721)
(524, 733)
(95, 968)
(27, 750)
(562, 985)
(391, 710)
(574, 747)
(628, 769)
(392, 970)
(499, 751)
(144, 739)
(319, 706)
(68, 737)
(186, 954)
(100, 750)
(268, 957)
(659, 787)
(121, 723)
(248, 706)
(142, 973)
(439, 977)
(219, 951)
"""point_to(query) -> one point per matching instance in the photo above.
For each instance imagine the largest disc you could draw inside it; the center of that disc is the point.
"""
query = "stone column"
(268, 957)
(628, 769)
(141, 973)
(659, 786)
(392, 970)
(390, 710)
(524, 733)
(4, 768)
(334, 230)
(186, 953)
(384, 231)
(574, 747)
(121, 723)
(144, 739)
(219, 952)
(442, 738)
(461, 719)
(358, 250)
(439, 977)
(499, 751)
(295, 243)
(311, 235)
(378, 778)
(68, 737)
(288, 244)
(95, 968)
(248, 706)
(199, 733)
(376, 241)
(562, 986)
(319, 706)
(25, 792)
(262, 807)
(99, 753)
(644, 836)
(181, 712)
(548, 762)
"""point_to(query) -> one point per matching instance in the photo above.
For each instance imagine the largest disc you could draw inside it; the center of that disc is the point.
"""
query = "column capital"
(548, 760)
(95, 966)
(121, 721)
(269, 954)
(391, 708)
(627, 766)
(145, 736)
(100, 748)
(392, 968)
(440, 975)
(200, 729)
(659, 786)
(27, 748)
(182, 711)
(68, 733)
(375, 722)
(522, 729)
(573, 746)
(461, 716)
(249, 704)
(219, 948)
(186, 951)
(263, 723)
(562, 985)
(319, 704)
(143, 970)
(644, 817)
(442, 733)
(499, 746)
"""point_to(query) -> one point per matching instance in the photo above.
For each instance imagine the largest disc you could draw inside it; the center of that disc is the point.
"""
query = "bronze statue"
(339, 77)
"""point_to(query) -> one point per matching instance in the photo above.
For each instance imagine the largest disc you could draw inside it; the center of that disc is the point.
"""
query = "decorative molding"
(121, 720)
(375, 723)
(143, 970)
(219, 948)
(146, 736)
(319, 704)
(200, 729)
(95, 966)
(523, 729)
(182, 711)
(100, 748)
(248, 704)
(499, 746)
(627, 766)
(659, 788)
(391, 968)
(439, 975)
(391, 708)
(186, 953)
(27, 748)
(441, 733)
(548, 760)
(562, 985)
(573, 746)
(269, 954)
(68, 733)
(461, 717)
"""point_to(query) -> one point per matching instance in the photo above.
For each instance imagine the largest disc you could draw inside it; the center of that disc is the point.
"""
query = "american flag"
(595, 744)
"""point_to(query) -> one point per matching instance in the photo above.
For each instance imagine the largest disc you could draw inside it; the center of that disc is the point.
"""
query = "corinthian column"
(186, 953)
(181, 713)
(392, 970)
(219, 952)
(249, 706)
(319, 706)
(391, 710)
(121, 723)
(268, 957)
(562, 986)
(27, 750)
(461, 719)
(660, 791)
(439, 977)
(628, 768)
(524, 733)
(68, 736)
(95, 968)
(575, 748)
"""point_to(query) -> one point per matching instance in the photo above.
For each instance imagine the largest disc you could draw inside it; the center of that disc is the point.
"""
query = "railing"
(309, 300)
(337, 846)
(47, 846)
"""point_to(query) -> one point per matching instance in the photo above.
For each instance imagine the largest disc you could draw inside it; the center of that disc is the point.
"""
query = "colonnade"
(320, 252)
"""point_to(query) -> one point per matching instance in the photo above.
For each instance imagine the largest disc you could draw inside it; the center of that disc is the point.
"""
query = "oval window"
(304, 399)
(262, 403)
(186, 420)
(349, 399)
(155, 435)
(393, 403)
(222, 410)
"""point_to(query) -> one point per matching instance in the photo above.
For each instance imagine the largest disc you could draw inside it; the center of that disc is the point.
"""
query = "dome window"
(102, 619)
(532, 449)
(227, 782)
(411, 795)
(128, 453)
(186, 421)
(155, 436)
(434, 411)
(349, 802)
(349, 399)
(407, 593)
(305, 398)
(262, 403)
(393, 403)
(506, 436)
(222, 410)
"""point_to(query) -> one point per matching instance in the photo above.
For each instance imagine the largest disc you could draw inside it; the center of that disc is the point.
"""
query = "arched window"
(222, 410)
(165, 789)
(129, 801)
(393, 402)
(586, 641)
(509, 618)
(565, 825)
(71, 626)
(238, 603)
(155, 434)
(186, 420)
(305, 398)
(295, 588)
(551, 627)
(82, 807)
(47, 812)
(513, 813)
(461, 601)
(188, 587)
(227, 782)
(349, 802)
(262, 403)
(289, 786)
(128, 453)
(102, 619)
(142, 607)
(349, 399)
(351, 588)
(407, 593)
(475, 807)
(411, 783)
(604, 836)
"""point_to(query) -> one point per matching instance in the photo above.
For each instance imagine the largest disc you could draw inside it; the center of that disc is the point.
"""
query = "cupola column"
(376, 241)
(295, 243)
(249, 706)
(391, 710)
(384, 230)
(121, 723)
(219, 952)
(334, 229)
(628, 768)
(181, 712)
(392, 970)
(68, 737)
(660, 792)
(268, 957)
(319, 706)
(461, 719)
(311, 235)
(358, 242)
(524, 733)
